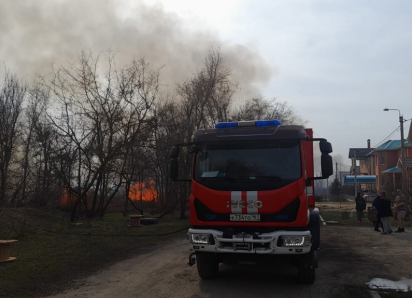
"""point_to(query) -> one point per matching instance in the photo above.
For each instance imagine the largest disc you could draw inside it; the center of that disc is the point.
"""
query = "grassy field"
(51, 252)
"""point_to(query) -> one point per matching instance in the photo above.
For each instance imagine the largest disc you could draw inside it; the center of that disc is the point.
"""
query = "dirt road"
(349, 257)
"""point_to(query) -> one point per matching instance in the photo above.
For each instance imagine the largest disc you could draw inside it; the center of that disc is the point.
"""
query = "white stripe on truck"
(235, 203)
(251, 202)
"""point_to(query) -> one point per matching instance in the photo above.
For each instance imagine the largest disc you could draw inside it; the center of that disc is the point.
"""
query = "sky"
(337, 63)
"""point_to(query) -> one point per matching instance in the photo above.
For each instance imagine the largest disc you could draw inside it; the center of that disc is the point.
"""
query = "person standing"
(360, 206)
(375, 205)
(400, 204)
(385, 213)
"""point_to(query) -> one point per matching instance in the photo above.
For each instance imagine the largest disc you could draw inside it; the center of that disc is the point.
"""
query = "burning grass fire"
(67, 201)
(142, 192)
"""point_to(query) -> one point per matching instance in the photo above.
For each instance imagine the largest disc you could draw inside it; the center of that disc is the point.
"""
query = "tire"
(207, 265)
(306, 268)
(314, 228)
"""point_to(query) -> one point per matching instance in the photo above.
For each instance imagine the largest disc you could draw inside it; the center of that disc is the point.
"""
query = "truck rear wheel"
(306, 268)
(207, 265)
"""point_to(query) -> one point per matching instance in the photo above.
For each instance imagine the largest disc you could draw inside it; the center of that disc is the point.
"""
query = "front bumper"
(275, 243)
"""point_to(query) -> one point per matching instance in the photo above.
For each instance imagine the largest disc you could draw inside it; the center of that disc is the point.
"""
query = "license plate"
(244, 217)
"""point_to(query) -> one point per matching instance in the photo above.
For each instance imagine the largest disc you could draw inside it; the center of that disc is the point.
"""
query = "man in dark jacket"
(360, 206)
(375, 205)
(385, 213)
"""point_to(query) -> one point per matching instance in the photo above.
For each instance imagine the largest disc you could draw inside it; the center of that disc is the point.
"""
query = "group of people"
(383, 205)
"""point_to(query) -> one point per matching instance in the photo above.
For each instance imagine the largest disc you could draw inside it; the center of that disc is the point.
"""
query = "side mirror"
(325, 147)
(326, 165)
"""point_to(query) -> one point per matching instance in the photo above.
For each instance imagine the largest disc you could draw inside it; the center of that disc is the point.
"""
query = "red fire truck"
(252, 195)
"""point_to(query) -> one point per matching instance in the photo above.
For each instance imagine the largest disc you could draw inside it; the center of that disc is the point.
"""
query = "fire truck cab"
(252, 195)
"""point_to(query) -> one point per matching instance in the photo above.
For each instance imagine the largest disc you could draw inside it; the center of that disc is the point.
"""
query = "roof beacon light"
(268, 123)
(259, 123)
(226, 125)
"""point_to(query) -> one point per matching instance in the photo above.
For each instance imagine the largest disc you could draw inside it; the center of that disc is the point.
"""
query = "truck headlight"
(296, 241)
(200, 238)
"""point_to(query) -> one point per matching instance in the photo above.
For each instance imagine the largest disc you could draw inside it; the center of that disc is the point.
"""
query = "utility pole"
(356, 184)
(405, 189)
(336, 176)
(404, 183)
(327, 187)
(336, 179)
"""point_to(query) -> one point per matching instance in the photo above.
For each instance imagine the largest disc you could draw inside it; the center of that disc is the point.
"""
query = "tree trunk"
(76, 204)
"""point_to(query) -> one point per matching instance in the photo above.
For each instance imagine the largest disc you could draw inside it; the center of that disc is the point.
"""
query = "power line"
(397, 129)
(381, 142)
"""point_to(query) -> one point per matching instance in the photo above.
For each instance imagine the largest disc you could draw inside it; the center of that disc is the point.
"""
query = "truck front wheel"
(306, 268)
(207, 265)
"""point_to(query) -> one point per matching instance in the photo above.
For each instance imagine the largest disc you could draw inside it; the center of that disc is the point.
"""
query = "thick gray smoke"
(36, 34)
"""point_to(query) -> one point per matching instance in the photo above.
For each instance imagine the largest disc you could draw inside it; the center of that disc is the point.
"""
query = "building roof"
(392, 170)
(389, 145)
(361, 179)
(392, 145)
(361, 153)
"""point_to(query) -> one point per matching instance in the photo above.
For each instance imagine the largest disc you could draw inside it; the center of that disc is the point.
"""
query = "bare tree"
(266, 109)
(168, 129)
(203, 100)
(12, 95)
(135, 163)
(35, 144)
(101, 117)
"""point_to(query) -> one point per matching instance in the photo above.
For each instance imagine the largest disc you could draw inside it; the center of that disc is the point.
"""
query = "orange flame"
(140, 191)
(67, 201)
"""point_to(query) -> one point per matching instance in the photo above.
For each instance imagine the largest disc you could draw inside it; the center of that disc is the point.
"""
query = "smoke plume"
(37, 34)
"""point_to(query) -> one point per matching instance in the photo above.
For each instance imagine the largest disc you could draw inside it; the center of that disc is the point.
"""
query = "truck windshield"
(250, 166)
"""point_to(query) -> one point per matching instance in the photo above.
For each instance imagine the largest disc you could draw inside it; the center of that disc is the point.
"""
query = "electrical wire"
(391, 134)
(383, 141)
(396, 130)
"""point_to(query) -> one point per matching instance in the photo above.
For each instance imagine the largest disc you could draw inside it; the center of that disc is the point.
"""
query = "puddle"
(404, 285)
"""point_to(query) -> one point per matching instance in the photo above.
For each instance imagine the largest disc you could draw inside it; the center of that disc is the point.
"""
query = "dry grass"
(51, 252)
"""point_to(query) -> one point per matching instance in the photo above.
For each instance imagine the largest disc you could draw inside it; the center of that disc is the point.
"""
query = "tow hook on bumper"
(192, 259)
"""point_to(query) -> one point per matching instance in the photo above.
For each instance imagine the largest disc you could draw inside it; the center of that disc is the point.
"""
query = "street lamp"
(402, 149)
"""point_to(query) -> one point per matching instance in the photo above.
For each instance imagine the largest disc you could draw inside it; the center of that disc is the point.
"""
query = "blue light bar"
(226, 124)
(267, 123)
(259, 123)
